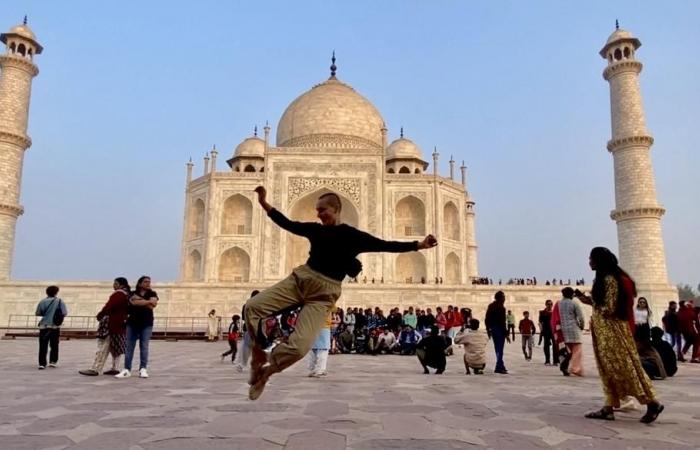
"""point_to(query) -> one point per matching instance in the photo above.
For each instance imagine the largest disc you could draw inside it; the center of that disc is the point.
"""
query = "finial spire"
(255, 131)
(24, 22)
(617, 24)
(401, 132)
(333, 66)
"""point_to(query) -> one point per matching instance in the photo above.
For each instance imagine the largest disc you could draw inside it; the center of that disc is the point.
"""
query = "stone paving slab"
(193, 401)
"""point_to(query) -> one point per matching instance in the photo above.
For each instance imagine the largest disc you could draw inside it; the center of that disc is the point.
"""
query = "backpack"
(58, 314)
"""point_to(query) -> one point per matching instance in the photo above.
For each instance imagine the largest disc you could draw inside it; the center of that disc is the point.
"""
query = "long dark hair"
(606, 264)
(123, 283)
(138, 283)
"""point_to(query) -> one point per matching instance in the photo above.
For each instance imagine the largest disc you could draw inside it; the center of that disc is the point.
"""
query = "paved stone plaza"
(193, 401)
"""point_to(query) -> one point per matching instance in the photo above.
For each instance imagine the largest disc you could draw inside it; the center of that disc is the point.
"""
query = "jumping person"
(314, 286)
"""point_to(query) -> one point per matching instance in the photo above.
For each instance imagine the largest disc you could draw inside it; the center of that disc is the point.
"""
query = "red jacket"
(116, 308)
(687, 320)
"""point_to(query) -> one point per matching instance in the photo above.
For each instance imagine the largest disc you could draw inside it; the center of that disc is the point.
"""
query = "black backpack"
(58, 314)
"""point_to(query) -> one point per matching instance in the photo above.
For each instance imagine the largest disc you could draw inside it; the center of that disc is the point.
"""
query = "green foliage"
(686, 292)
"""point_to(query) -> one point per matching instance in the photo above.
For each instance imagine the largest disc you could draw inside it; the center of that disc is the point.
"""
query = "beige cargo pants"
(314, 292)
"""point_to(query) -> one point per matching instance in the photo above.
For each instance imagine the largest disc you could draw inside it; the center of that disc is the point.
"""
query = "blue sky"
(128, 91)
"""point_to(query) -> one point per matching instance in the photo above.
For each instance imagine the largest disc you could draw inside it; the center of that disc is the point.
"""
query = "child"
(233, 333)
(474, 342)
(314, 286)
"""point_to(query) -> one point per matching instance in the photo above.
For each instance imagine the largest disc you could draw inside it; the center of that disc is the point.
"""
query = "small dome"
(403, 148)
(330, 114)
(24, 31)
(252, 146)
(618, 36)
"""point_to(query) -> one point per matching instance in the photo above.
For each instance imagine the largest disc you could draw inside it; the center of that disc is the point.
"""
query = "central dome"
(331, 114)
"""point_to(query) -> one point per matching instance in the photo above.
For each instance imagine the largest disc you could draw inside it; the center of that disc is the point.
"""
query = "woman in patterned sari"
(616, 354)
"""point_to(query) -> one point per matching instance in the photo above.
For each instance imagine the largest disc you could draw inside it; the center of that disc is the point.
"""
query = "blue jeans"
(143, 335)
(499, 339)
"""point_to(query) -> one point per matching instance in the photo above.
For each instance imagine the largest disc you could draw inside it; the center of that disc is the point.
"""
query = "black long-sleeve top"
(495, 316)
(333, 248)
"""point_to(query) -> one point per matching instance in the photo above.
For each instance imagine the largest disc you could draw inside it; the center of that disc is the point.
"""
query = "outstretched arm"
(369, 243)
(299, 228)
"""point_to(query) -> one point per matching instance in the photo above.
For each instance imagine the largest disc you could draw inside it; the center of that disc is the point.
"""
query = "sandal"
(653, 412)
(601, 414)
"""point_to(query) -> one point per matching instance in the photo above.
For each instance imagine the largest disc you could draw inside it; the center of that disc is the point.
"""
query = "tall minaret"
(17, 70)
(637, 212)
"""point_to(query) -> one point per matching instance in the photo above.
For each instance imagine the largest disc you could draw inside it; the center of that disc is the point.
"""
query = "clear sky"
(129, 90)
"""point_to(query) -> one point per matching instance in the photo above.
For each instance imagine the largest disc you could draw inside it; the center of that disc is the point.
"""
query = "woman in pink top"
(440, 319)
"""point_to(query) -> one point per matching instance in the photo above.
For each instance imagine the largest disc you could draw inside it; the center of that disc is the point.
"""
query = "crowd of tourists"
(527, 281)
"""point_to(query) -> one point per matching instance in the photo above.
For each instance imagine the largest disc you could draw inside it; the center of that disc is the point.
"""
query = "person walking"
(52, 311)
(615, 351)
(570, 322)
(510, 321)
(112, 329)
(318, 356)
(495, 323)
(232, 337)
(139, 326)
(243, 355)
(527, 329)
(672, 328)
(545, 321)
(314, 286)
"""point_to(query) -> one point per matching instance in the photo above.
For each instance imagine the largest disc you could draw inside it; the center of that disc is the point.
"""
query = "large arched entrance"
(410, 268)
(304, 210)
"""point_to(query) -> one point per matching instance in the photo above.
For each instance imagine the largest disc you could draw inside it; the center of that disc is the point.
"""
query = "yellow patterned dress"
(616, 354)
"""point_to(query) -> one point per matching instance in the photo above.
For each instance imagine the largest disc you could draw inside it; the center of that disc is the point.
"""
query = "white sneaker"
(143, 373)
(42, 367)
(126, 373)
(54, 365)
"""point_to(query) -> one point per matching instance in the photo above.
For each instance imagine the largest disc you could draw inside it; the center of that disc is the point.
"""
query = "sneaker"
(143, 373)
(126, 373)
(42, 367)
(256, 389)
(54, 365)
(89, 372)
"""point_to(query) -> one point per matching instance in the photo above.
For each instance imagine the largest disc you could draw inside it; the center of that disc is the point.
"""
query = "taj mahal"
(331, 138)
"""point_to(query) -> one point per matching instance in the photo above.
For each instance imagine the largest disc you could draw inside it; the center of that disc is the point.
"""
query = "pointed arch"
(410, 268)
(404, 169)
(249, 168)
(409, 217)
(193, 266)
(196, 225)
(21, 49)
(234, 265)
(391, 170)
(450, 221)
(237, 215)
(453, 269)
(304, 210)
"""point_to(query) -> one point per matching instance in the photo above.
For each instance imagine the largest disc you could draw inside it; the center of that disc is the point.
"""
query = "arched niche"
(234, 265)
(304, 210)
(410, 268)
(237, 215)
(196, 225)
(453, 270)
(451, 222)
(409, 217)
(193, 266)
(404, 169)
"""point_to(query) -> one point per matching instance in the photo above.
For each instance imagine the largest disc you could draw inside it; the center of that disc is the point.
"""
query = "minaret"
(17, 69)
(637, 212)
(470, 219)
